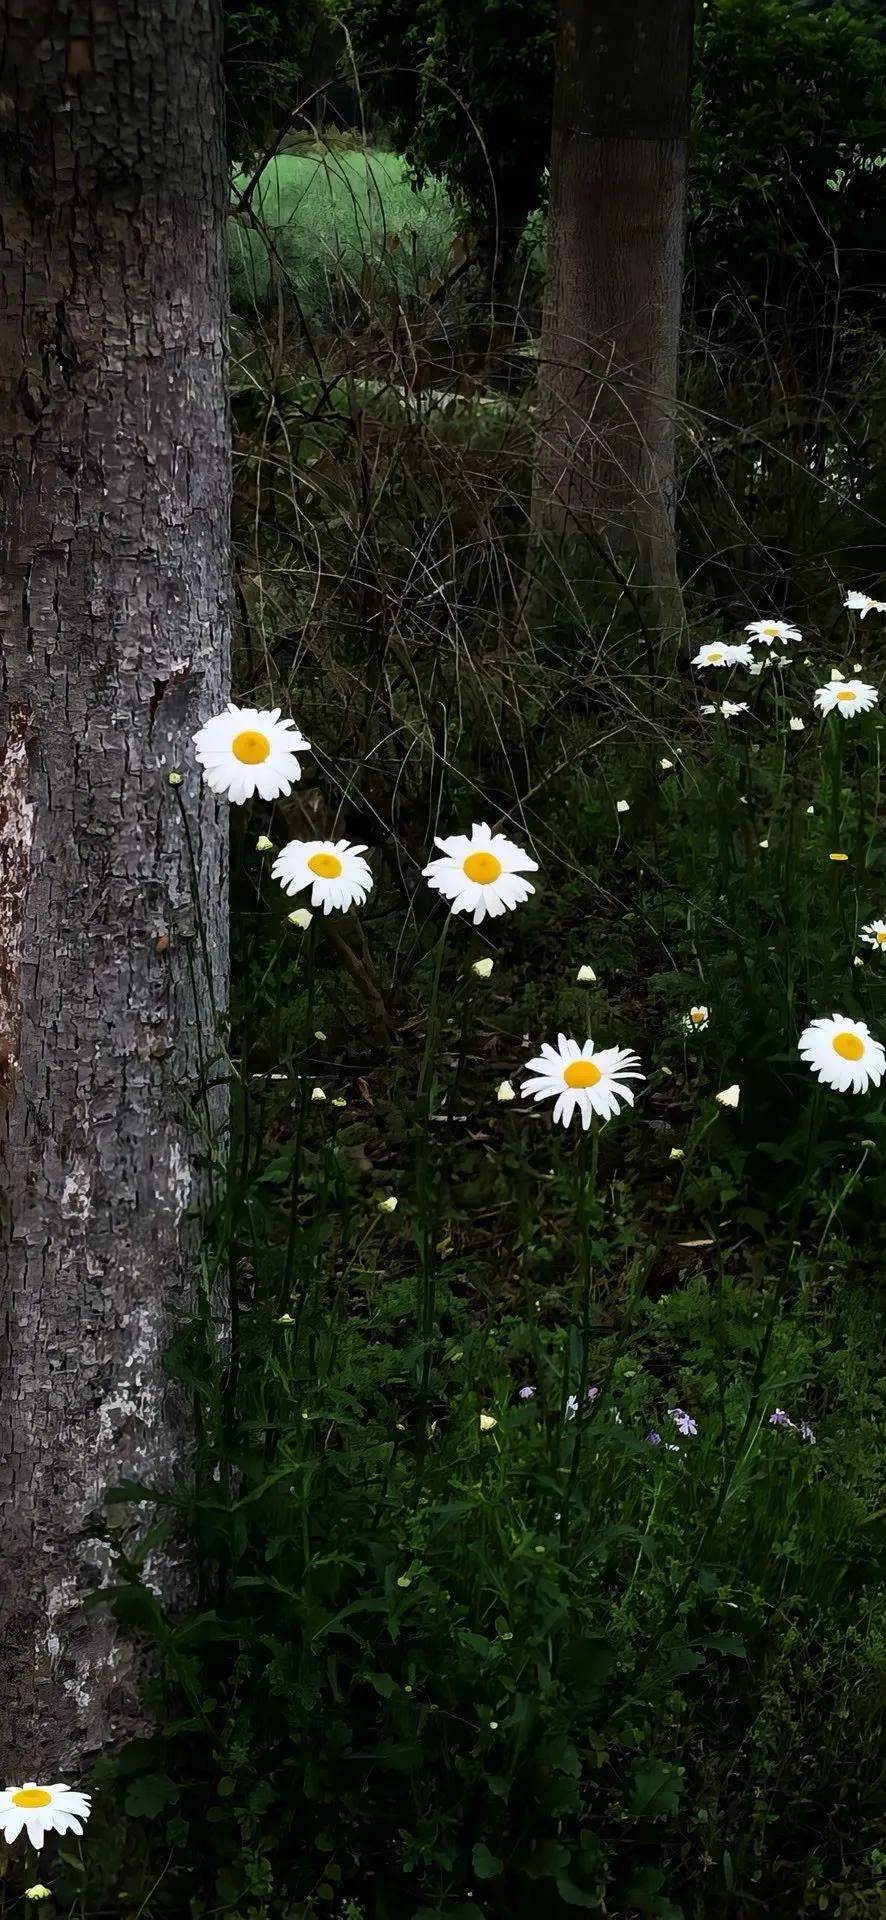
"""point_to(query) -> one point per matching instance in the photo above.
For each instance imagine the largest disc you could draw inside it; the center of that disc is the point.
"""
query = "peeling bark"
(610, 334)
(114, 522)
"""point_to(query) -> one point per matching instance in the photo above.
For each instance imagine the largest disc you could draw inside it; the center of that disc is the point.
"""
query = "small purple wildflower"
(593, 1392)
(653, 1439)
(779, 1418)
(683, 1422)
(527, 1393)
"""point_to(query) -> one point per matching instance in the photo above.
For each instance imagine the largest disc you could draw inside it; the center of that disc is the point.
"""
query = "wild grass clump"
(536, 1499)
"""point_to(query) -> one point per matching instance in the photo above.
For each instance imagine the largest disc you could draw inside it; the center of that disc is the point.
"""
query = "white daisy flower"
(481, 872)
(861, 603)
(244, 751)
(696, 1020)
(505, 1092)
(846, 697)
(769, 630)
(586, 975)
(796, 724)
(730, 1096)
(728, 708)
(582, 1081)
(483, 968)
(42, 1810)
(719, 655)
(622, 806)
(843, 1054)
(333, 869)
(875, 934)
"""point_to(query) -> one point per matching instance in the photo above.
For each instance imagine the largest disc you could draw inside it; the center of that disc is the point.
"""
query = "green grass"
(436, 1668)
(341, 226)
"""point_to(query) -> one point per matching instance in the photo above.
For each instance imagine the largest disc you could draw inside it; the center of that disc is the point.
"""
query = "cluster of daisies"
(245, 752)
(841, 696)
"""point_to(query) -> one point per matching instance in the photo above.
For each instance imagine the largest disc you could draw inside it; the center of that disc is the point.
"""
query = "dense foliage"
(458, 1651)
(469, 1639)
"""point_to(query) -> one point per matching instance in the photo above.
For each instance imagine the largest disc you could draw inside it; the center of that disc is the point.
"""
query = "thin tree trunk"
(610, 333)
(114, 517)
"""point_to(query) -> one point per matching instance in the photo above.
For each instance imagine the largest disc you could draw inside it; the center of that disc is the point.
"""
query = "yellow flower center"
(848, 1046)
(845, 694)
(250, 747)
(715, 655)
(881, 939)
(771, 629)
(581, 1073)
(326, 865)
(482, 868)
(31, 1797)
(697, 1017)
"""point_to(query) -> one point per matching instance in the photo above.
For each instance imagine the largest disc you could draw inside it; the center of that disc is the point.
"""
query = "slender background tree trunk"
(114, 624)
(610, 334)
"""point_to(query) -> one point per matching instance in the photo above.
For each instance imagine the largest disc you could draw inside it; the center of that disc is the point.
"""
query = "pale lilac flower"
(527, 1393)
(779, 1418)
(653, 1439)
(683, 1422)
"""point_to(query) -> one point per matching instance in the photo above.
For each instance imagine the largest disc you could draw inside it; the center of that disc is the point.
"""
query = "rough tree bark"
(610, 332)
(114, 516)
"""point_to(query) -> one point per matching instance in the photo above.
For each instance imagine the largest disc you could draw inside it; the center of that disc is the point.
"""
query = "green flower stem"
(304, 1100)
(586, 1186)
(424, 1183)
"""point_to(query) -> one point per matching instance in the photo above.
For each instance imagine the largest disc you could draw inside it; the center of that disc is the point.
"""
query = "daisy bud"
(487, 1422)
(622, 806)
(858, 961)
(37, 1892)
(285, 1320)
(796, 725)
(317, 1093)
(301, 917)
(838, 856)
(175, 779)
(586, 975)
(666, 765)
(810, 809)
(339, 1100)
(729, 1096)
(677, 1153)
(762, 843)
(856, 666)
(482, 968)
(263, 844)
(319, 1034)
(388, 1204)
(836, 674)
(506, 1091)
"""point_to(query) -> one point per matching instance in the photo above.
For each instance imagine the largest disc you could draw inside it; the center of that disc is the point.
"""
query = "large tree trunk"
(610, 334)
(114, 517)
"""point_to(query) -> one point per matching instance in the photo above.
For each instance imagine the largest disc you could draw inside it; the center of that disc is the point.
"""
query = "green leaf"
(149, 1795)
(486, 1865)
(656, 1789)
